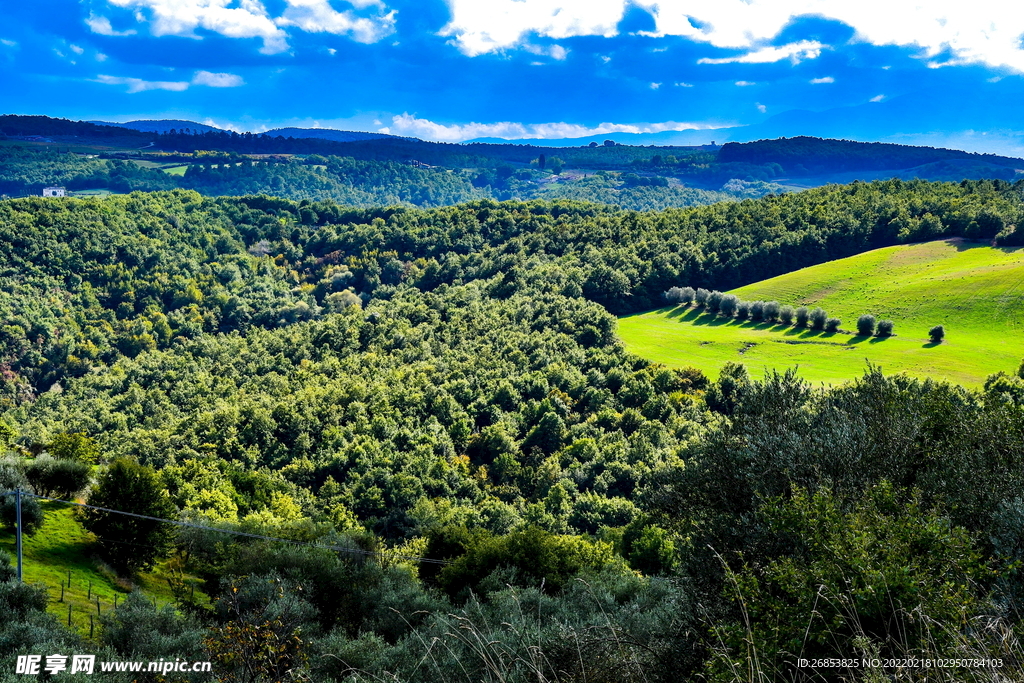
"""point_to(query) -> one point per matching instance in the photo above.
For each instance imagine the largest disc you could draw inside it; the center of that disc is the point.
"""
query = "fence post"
(17, 505)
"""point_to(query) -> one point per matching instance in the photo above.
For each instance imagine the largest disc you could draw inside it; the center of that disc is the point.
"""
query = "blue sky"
(902, 70)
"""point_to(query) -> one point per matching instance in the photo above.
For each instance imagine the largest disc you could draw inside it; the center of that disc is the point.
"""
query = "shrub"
(679, 295)
(786, 314)
(743, 310)
(714, 299)
(937, 334)
(771, 311)
(727, 306)
(866, 325)
(757, 310)
(11, 477)
(818, 318)
(884, 328)
(802, 315)
(58, 478)
(700, 297)
(832, 324)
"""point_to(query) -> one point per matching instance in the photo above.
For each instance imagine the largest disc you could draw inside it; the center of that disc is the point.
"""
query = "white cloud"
(680, 84)
(554, 51)
(101, 25)
(481, 26)
(213, 80)
(317, 16)
(981, 31)
(761, 108)
(250, 19)
(139, 85)
(100, 57)
(877, 98)
(76, 49)
(744, 84)
(655, 86)
(409, 125)
(217, 80)
(795, 52)
(183, 17)
(8, 43)
(819, 81)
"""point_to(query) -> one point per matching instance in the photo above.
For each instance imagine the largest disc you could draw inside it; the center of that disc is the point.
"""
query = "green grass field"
(62, 548)
(974, 290)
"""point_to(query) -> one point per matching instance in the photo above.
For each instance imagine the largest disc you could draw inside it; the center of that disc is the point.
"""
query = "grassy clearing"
(91, 193)
(974, 290)
(175, 170)
(62, 547)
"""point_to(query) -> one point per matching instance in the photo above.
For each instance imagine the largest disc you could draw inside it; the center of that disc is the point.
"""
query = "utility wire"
(336, 548)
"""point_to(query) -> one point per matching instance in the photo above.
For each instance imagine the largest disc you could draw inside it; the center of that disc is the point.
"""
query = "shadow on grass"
(931, 345)
(677, 311)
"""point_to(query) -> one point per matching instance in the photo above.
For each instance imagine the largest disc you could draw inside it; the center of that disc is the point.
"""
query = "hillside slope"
(974, 290)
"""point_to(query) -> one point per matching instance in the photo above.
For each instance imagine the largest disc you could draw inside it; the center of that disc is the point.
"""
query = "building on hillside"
(54, 192)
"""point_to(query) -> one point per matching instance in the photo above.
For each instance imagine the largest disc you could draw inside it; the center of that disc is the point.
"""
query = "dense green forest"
(446, 383)
(395, 170)
(808, 155)
(360, 182)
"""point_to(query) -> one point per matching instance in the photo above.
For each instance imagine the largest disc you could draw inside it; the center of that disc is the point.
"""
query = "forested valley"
(501, 492)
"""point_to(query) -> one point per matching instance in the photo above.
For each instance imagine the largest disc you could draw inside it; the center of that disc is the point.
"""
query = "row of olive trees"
(730, 305)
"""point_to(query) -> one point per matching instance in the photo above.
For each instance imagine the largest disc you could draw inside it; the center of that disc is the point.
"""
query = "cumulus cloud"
(101, 25)
(213, 80)
(317, 16)
(409, 125)
(825, 79)
(877, 98)
(982, 31)
(182, 17)
(744, 84)
(250, 19)
(481, 26)
(795, 52)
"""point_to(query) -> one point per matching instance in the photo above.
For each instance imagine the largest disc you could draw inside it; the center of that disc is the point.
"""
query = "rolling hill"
(974, 290)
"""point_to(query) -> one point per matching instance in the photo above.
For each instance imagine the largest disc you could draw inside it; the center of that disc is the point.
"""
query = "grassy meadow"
(62, 549)
(976, 291)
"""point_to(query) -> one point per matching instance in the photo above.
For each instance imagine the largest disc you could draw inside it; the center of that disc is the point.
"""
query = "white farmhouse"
(54, 192)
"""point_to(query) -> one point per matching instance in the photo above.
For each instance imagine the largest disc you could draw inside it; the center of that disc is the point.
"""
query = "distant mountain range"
(160, 126)
(177, 125)
(326, 134)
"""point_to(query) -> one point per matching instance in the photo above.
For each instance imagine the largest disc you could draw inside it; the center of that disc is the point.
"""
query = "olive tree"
(818, 318)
